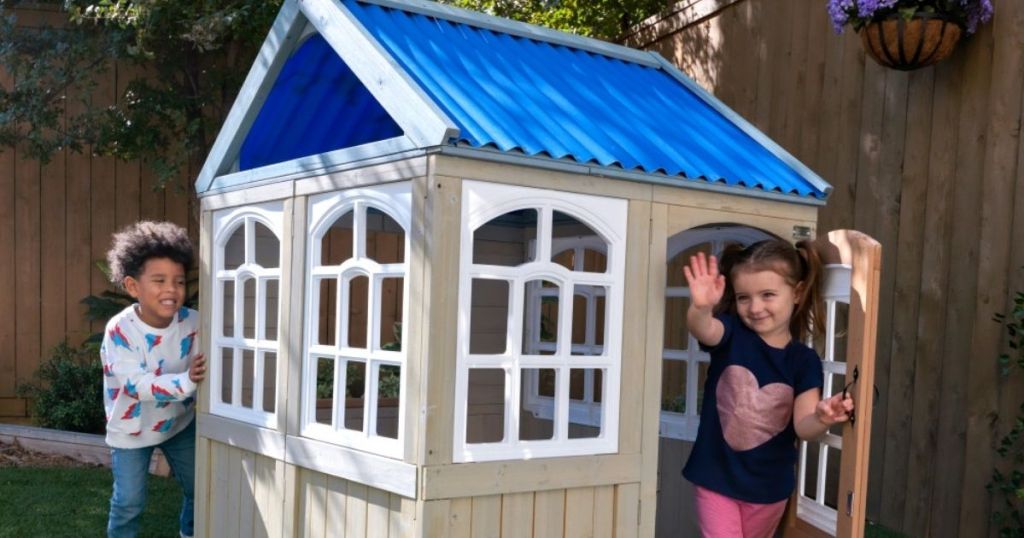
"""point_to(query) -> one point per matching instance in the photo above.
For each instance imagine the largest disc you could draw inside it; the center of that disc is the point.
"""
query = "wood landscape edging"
(82, 447)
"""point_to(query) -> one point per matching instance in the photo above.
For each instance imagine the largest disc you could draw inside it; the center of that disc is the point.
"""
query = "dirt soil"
(13, 455)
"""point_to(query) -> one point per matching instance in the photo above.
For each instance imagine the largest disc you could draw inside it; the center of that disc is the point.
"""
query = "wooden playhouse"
(441, 287)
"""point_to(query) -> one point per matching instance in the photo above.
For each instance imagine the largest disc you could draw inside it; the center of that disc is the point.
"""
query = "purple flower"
(977, 11)
(868, 8)
(839, 12)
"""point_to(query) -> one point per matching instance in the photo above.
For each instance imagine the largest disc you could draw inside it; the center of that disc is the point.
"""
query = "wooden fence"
(927, 163)
(56, 220)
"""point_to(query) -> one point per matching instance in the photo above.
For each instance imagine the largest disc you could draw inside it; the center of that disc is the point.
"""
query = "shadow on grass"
(57, 502)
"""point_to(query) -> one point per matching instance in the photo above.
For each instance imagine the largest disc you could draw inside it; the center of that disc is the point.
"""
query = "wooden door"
(830, 495)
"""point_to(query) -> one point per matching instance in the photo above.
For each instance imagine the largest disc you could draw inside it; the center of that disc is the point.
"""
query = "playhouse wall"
(253, 495)
(601, 512)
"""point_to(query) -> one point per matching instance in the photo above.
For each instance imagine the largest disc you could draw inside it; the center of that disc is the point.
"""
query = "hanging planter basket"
(909, 44)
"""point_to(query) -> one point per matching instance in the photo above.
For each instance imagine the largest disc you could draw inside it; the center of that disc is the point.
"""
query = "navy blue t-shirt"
(746, 444)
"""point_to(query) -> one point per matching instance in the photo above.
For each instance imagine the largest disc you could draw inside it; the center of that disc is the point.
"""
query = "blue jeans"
(131, 468)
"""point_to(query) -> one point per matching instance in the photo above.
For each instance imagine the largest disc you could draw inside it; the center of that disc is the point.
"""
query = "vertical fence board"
(8, 361)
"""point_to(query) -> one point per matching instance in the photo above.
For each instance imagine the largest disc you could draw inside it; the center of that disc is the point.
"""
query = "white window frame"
(225, 224)
(683, 426)
(482, 202)
(395, 200)
(583, 411)
(813, 509)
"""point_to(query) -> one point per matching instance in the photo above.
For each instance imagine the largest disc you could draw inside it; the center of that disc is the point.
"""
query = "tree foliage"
(181, 63)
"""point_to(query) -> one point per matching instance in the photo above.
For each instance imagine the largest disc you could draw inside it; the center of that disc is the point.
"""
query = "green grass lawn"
(55, 502)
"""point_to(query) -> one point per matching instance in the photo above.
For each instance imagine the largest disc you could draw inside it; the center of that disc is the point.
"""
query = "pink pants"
(725, 517)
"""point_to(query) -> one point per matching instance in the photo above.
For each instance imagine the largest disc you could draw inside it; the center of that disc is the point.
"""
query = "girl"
(763, 387)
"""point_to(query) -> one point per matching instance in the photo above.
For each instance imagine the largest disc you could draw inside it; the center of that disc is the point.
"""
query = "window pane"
(227, 363)
(271, 299)
(588, 319)
(508, 240)
(533, 428)
(336, 246)
(391, 300)
(358, 320)
(355, 388)
(540, 317)
(385, 239)
(811, 470)
(567, 226)
(547, 383)
(248, 377)
(268, 248)
(324, 390)
(249, 308)
(488, 317)
(673, 386)
(587, 385)
(269, 381)
(676, 335)
(388, 400)
(581, 259)
(328, 311)
(228, 305)
(485, 409)
(234, 249)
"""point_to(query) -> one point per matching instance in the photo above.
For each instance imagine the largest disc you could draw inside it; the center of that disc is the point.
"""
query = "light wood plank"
(247, 499)
(604, 511)
(205, 314)
(314, 499)
(459, 480)
(337, 505)
(459, 518)
(53, 265)
(290, 363)
(579, 512)
(204, 479)
(635, 320)
(378, 504)
(402, 518)
(517, 515)
(655, 334)
(355, 510)
(233, 499)
(442, 239)
(290, 492)
(627, 509)
(549, 514)
(486, 516)
(267, 503)
(218, 509)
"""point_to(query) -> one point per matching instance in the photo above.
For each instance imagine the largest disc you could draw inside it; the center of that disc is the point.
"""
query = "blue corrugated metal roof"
(518, 94)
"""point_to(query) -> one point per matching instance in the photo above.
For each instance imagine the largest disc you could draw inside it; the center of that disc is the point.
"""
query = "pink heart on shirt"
(751, 415)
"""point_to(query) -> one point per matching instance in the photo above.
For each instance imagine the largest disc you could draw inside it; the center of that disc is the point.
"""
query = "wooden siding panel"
(627, 510)
(337, 505)
(486, 517)
(517, 515)
(247, 490)
(378, 503)
(356, 510)
(604, 511)
(579, 512)
(549, 514)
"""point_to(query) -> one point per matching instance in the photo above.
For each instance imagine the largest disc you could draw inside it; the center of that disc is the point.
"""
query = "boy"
(150, 370)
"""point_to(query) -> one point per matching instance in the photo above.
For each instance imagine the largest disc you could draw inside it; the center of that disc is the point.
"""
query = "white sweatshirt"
(147, 394)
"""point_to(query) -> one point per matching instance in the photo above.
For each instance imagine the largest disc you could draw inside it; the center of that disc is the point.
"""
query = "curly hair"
(139, 242)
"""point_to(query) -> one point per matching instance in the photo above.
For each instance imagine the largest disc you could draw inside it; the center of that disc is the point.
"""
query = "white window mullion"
(370, 395)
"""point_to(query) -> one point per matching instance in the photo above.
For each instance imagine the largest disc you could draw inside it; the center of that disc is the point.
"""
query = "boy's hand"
(835, 409)
(197, 370)
(706, 285)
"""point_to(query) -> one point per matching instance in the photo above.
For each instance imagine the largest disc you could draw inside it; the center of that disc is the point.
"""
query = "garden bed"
(28, 446)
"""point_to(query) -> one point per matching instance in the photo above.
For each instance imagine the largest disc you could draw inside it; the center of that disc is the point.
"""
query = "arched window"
(684, 365)
(356, 289)
(245, 317)
(540, 344)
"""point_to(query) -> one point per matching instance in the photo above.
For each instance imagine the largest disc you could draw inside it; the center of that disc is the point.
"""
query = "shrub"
(67, 392)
